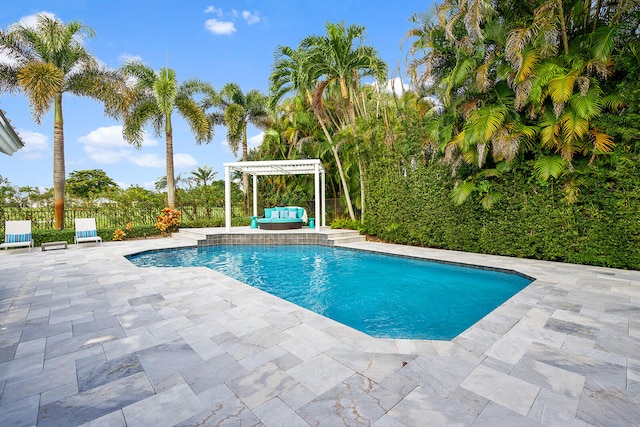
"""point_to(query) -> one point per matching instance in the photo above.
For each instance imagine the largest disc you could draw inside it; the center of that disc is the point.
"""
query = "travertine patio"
(86, 338)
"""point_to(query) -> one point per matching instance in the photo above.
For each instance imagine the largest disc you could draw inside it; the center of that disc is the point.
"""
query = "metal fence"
(109, 217)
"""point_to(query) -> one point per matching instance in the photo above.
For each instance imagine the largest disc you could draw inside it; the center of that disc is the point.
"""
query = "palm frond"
(548, 166)
(461, 193)
(603, 42)
(195, 117)
(530, 59)
(234, 121)
(490, 199)
(41, 82)
(602, 142)
(166, 89)
(561, 87)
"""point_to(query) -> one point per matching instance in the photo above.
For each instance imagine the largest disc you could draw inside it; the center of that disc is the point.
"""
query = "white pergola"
(277, 167)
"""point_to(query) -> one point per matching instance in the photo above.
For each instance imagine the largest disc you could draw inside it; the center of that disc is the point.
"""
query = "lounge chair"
(282, 218)
(86, 231)
(16, 234)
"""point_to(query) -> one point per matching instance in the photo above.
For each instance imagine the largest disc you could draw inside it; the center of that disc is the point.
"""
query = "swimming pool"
(384, 296)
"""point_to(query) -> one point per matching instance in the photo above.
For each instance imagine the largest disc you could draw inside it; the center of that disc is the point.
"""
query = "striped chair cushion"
(14, 238)
(86, 233)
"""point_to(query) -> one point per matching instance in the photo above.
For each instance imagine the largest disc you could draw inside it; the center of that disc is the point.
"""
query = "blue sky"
(215, 41)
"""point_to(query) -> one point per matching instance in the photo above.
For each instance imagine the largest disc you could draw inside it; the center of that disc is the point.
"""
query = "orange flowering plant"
(119, 234)
(169, 220)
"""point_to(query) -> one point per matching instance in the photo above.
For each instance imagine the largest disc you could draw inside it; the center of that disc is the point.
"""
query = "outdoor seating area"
(283, 218)
(93, 339)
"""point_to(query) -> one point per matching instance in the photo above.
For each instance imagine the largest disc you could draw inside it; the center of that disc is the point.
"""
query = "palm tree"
(237, 111)
(48, 60)
(319, 64)
(157, 95)
(203, 174)
(520, 77)
(340, 58)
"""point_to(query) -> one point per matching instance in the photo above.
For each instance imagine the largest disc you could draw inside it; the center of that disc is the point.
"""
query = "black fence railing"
(109, 217)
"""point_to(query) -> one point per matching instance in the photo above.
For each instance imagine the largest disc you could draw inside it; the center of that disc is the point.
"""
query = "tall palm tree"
(157, 96)
(339, 58)
(237, 110)
(320, 63)
(46, 61)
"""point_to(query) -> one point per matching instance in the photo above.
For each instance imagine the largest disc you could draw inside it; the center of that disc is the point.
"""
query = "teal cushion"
(86, 233)
(15, 238)
(266, 220)
(267, 212)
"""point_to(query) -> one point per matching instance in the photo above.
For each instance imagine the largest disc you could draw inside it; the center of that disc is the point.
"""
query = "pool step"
(188, 234)
(345, 236)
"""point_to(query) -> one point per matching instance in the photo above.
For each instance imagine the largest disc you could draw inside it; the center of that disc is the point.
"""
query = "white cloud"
(149, 185)
(125, 57)
(226, 27)
(31, 20)
(251, 18)
(25, 21)
(151, 160)
(395, 85)
(255, 141)
(220, 27)
(107, 146)
(111, 136)
(212, 9)
(184, 161)
(36, 145)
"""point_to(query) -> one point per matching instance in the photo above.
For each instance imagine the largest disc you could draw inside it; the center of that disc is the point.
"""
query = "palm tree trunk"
(58, 162)
(343, 180)
(245, 176)
(171, 195)
(352, 117)
(563, 27)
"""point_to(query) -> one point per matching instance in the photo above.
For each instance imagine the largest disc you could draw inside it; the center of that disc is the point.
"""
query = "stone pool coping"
(86, 337)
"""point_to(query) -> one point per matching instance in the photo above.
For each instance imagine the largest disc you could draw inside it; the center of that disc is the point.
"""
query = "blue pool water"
(381, 295)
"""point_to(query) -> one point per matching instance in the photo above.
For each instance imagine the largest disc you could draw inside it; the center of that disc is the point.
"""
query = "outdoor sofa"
(282, 218)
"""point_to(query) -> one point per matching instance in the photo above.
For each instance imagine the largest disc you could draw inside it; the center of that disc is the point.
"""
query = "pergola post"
(227, 198)
(323, 197)
(316, 181)
(255, 195)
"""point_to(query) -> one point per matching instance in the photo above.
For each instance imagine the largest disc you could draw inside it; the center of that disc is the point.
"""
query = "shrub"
(119, 234)
(168, 220)
(413, 205)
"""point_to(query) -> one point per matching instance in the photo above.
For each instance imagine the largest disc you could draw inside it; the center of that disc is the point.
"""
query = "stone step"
(185, 233)
(345, 236)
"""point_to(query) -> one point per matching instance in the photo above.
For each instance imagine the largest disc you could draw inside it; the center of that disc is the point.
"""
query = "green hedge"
(531, 221)
(41, 236)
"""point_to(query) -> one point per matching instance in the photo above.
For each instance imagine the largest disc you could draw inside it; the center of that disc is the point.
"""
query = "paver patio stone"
(87, 338)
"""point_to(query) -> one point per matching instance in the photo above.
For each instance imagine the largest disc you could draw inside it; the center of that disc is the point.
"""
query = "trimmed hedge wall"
(531, 221)
(40, 236)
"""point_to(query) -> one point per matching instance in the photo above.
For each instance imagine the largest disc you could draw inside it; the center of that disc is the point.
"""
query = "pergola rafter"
(277, 167)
